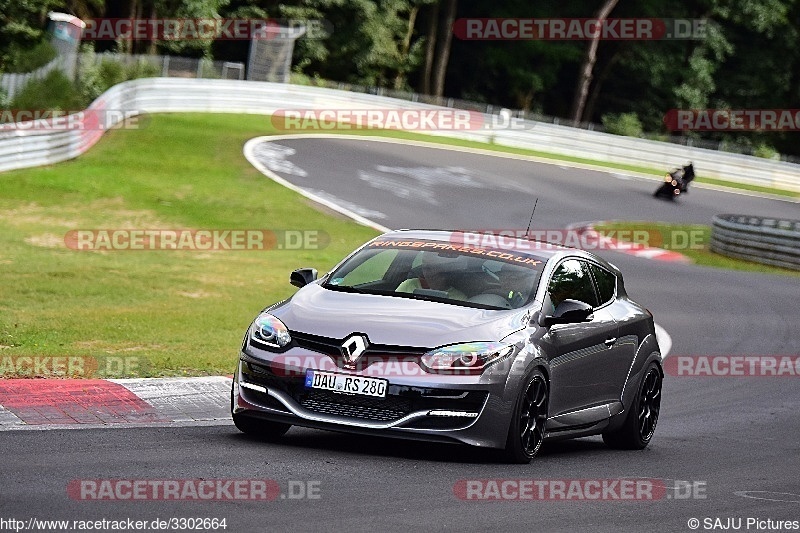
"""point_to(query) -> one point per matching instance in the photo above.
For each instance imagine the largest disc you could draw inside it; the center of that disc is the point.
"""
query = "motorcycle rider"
(687, 176)
(676, 182)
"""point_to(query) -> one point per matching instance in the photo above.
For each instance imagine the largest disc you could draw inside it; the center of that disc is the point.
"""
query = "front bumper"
(463, 409)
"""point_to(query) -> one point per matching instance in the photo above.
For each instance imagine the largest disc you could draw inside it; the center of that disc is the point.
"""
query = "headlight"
(268, 331)
(468, 358)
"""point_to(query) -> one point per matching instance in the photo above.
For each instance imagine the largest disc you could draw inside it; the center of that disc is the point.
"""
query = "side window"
(572, 281)
(606, 283)
(373, 269)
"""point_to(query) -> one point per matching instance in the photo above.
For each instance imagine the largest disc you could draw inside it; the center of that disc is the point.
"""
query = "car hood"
(393, 320)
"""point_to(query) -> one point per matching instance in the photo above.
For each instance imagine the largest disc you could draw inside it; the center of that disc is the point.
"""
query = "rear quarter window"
(572, 281)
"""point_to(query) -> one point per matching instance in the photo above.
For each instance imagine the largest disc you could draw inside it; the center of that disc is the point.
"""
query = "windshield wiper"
(345, 288)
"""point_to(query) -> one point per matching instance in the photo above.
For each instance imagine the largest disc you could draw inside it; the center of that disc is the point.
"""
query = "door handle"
(610, 341)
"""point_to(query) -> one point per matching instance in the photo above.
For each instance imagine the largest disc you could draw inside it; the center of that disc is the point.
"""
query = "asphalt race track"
(725, 447)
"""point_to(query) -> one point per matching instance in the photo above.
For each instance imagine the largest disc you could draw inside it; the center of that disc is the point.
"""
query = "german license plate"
(347, 384)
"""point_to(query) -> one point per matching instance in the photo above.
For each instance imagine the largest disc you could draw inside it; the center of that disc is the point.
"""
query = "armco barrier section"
(763, 240)
(20, 147)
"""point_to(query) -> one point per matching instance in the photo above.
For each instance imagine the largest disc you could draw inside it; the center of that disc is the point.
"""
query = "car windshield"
(439, 271)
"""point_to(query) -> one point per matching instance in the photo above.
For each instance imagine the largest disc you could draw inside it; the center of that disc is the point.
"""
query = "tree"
(154, 9)
(85, 9)
(430, 46)
(22, 25)
(372, 43)
(442, 58)
(585, 76)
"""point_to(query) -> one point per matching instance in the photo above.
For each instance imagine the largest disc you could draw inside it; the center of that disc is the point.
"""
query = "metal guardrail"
(20, 148)
(483, 107)
(764, 240)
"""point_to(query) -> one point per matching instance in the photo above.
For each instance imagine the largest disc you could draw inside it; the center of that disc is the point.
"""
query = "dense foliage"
(748, 59)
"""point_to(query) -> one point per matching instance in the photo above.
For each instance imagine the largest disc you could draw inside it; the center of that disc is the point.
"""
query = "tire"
(261, 429)
(529, 418)
(640, 423)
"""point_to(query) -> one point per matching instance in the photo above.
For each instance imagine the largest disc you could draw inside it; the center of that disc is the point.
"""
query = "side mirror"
(303, 276)
(567, 312)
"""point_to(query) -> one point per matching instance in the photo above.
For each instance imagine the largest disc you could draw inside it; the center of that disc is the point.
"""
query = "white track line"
(615, 172)
(664, 341)
(249, 154)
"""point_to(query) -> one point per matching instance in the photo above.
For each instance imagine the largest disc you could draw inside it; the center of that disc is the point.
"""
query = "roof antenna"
(527, 231)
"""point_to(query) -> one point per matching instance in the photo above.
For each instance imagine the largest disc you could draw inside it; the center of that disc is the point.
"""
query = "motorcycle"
(676, 182)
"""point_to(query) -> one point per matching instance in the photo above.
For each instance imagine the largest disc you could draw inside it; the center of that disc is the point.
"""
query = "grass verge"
(148, 313)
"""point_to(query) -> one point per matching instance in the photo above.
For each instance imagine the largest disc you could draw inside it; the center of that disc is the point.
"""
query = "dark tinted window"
(606, 283)
(571, 281)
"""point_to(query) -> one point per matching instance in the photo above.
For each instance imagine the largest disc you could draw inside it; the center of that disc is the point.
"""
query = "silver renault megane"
(437, 336)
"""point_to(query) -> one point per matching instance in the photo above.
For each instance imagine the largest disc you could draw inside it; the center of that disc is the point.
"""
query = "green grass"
(690, 240)
(167, 312)
(748, 187)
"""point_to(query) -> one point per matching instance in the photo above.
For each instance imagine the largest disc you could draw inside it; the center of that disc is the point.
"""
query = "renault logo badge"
(354, 347)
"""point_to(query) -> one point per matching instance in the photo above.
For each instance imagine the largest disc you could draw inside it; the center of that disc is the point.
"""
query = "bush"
(298, 78)
(23, 61)
(141, 69)
(54, 91)
(96, 78)
(627, 124)
(207, 70)
(766, 151)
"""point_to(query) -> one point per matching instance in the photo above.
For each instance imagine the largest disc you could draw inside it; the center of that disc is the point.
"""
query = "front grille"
(317, 343)
(333, 347)
(400, 400)
(363, 407)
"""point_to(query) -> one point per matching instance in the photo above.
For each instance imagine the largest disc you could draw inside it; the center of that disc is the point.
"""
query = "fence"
(165, 66)
(763, 240)
(170, 66)
(21, 148)
(12, 84)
